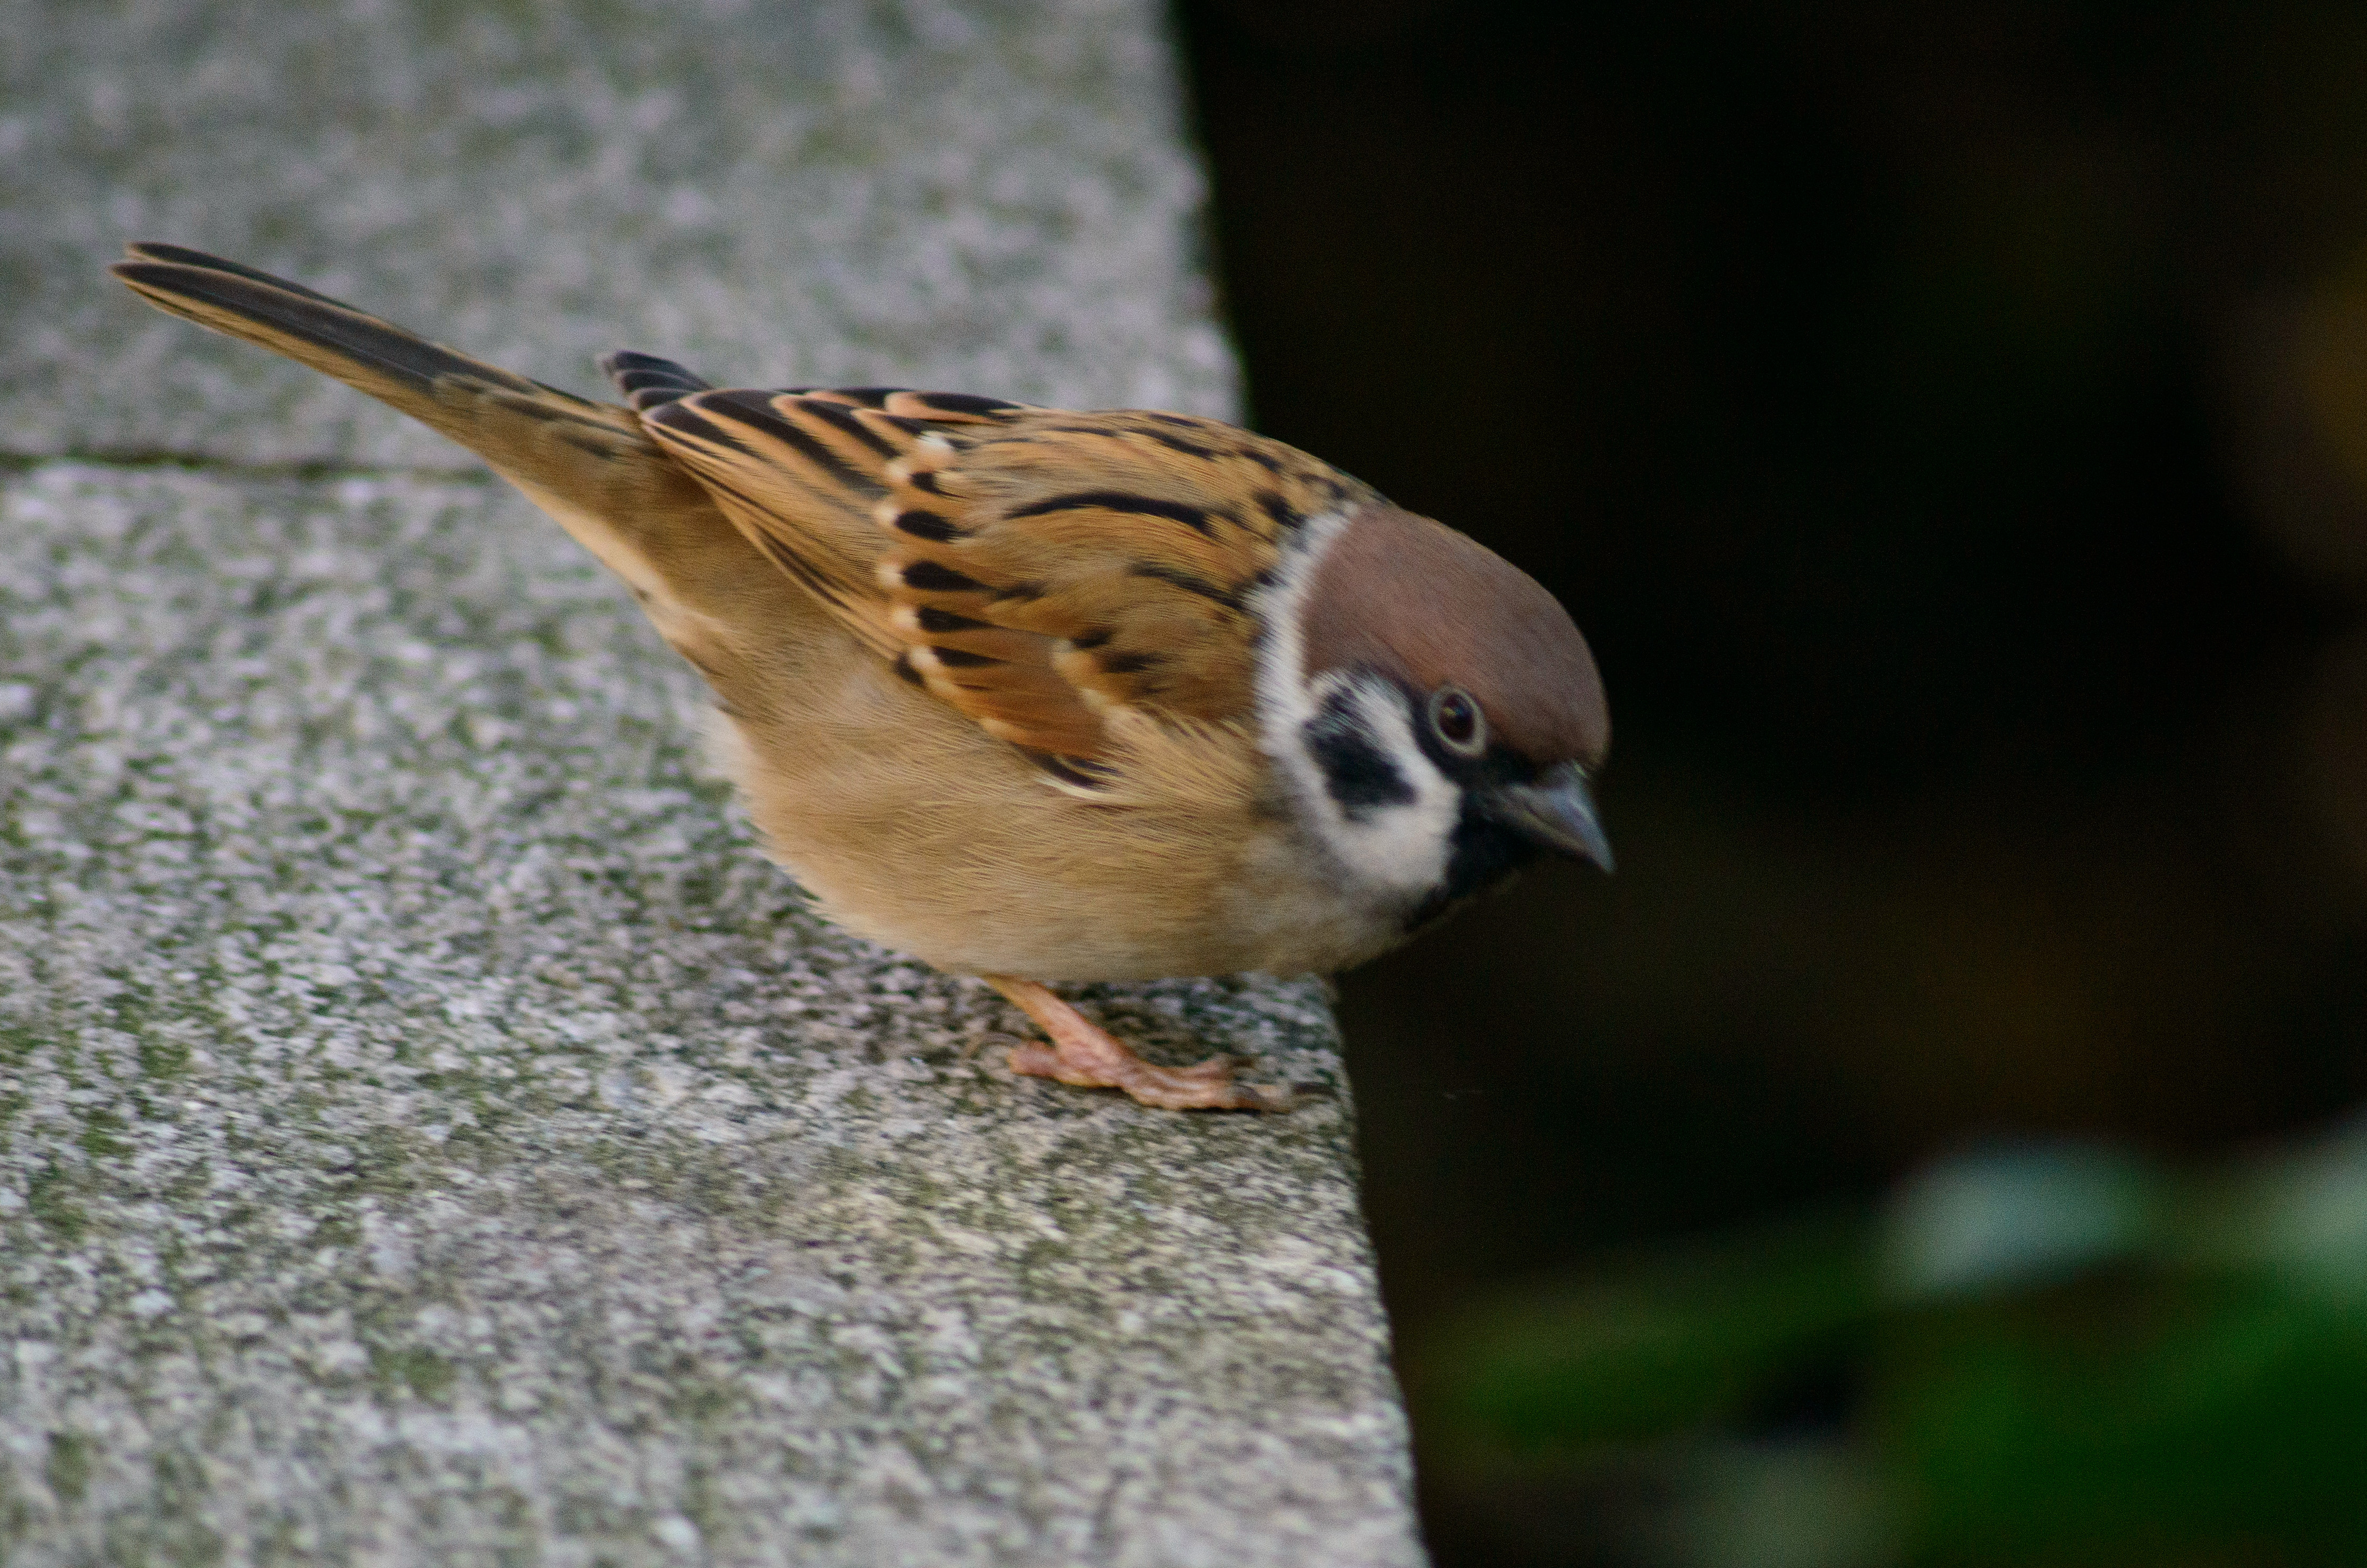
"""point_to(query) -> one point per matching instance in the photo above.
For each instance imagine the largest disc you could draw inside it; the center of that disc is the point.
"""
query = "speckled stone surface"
(990, 197)
(429, 1133)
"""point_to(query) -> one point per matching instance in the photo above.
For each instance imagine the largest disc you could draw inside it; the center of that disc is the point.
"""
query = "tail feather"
(591, 465)
(157, 251)
(366, 353)
(589, 457)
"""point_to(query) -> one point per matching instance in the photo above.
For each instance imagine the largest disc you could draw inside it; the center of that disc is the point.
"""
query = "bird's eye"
(1455, 719)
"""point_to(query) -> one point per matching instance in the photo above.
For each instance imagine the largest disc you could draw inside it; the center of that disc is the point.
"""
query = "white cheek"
(1397, 847)
(1402, 846)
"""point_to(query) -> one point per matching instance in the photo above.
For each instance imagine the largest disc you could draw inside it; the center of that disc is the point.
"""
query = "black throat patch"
(1484, 856)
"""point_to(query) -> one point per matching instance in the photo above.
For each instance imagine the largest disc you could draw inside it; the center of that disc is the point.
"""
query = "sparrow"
(1038, 695)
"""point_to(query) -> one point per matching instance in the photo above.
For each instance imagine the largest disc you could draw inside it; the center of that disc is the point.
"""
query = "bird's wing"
(1040, 571)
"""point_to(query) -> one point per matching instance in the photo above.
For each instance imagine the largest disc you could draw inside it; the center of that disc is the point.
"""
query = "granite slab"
(429, 1132)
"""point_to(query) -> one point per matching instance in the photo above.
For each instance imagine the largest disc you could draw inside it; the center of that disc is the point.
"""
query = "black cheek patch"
(1357, 771)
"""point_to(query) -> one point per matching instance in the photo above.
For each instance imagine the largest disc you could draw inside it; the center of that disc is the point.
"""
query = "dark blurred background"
(1949, 425)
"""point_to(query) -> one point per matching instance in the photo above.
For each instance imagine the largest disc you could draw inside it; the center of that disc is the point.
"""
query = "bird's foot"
(1083, 1055)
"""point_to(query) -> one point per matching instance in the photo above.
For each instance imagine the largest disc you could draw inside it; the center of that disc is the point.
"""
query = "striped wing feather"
(799, 482)
(1043, 571)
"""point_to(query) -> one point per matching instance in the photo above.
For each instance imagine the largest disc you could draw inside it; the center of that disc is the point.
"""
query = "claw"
(1082, 1054)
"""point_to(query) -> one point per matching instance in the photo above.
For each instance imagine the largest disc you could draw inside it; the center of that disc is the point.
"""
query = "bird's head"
(1436, 710)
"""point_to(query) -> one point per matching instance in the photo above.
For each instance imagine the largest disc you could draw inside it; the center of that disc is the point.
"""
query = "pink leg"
(1083, 1055)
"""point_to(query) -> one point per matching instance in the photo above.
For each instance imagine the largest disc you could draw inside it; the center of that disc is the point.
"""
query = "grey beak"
(1557, 811)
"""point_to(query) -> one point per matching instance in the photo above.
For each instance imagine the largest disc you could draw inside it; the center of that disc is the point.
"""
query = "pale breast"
(925, 834)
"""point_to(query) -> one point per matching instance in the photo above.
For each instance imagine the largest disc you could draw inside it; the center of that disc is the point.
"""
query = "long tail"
(590, 465)
(589, 457)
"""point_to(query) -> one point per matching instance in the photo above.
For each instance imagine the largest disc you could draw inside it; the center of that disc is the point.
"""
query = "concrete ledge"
(960, 195)
(428, 1132)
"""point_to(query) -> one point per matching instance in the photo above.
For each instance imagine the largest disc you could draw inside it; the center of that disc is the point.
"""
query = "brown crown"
(1417, 599)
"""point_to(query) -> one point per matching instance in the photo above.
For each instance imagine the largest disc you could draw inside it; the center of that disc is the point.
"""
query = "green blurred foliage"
(2036, 1357)
(1670, 1344)
(1949, 424)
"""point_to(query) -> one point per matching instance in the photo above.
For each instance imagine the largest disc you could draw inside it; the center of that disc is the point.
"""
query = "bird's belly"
(937, 839)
